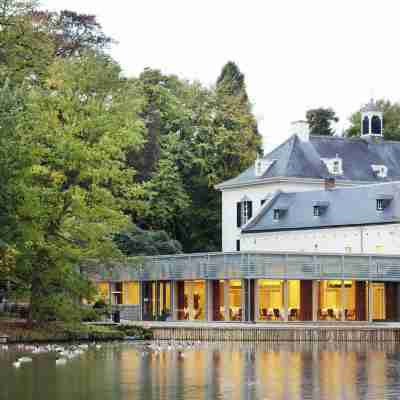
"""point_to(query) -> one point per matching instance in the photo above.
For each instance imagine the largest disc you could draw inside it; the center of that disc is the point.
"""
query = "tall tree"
(391, 120)
(231, 81)
(320, 121)
(195, 137)
(76, 128)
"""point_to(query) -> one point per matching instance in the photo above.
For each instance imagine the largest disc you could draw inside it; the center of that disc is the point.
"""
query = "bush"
(136, 331)
(90, 314)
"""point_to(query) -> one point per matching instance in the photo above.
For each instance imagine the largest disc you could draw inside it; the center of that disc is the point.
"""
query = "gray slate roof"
(298, 159)
(345, 207)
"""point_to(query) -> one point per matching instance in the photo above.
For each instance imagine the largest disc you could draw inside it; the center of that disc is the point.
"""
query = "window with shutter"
(239, 214)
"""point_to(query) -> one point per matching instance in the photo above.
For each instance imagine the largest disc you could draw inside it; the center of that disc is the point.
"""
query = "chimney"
(330, 183)
(301, 129)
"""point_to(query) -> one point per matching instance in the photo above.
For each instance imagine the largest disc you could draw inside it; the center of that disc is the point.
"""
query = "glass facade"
(191, 300)
(257, 299)
(156, 300)
(271, 305)
(165, 300)
(330, 300)
(235, 300)
(378, 301)
(218, 300)
(294, 300)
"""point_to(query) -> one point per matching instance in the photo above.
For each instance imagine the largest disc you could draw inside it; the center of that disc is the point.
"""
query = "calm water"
(209, 371)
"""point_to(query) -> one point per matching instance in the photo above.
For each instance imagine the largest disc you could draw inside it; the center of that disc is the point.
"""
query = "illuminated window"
(294, 300)
(270, 300)
(235, 300)
(194, 300)
(378, 301)
(117, 293)
(131, 290)
(330, 300)
(103, 289)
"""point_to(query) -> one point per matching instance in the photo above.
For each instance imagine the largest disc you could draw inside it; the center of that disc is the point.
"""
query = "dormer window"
(334, 165)
(380, 171)
(319, 207)
(382, 201)
(279, 212)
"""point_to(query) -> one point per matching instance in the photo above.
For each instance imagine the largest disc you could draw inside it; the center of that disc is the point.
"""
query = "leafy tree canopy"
(138, 242)
(72, 33)
(231, 81)
(320, 121)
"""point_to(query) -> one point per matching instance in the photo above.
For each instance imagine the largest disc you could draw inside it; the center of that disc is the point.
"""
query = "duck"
(25, 360)
(61, 361)
(16, 364)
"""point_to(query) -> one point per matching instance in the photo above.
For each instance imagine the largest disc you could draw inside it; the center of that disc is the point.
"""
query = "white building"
(309, 163)
(363, 219)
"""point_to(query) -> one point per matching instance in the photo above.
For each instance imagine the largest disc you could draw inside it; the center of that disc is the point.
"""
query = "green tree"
(231, 81)
(138, 242)
(25, 49)
(320, 121)
(196, 137)
(76, 128)
(391, 120)
(72, 33)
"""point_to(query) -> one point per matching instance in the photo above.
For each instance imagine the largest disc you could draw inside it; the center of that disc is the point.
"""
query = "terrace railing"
(247, 265)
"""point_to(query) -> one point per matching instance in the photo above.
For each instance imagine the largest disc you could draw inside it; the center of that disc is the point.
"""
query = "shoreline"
(19, 333)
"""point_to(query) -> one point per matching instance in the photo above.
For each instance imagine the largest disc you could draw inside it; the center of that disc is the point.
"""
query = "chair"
(276, 313)
(264, 313)
(293, 314)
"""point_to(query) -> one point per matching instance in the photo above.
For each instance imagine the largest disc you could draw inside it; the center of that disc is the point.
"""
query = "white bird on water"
(16, 364)
(25, 360)
(61, 361)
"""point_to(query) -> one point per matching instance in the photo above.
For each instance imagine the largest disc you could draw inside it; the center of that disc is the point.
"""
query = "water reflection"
(210, 371)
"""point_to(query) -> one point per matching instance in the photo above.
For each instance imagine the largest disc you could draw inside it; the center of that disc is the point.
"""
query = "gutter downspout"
(362, 239)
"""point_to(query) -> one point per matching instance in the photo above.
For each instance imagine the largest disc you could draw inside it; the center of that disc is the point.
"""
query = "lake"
(207, 371)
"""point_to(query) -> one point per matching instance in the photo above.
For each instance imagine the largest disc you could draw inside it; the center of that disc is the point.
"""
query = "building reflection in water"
(267, 371)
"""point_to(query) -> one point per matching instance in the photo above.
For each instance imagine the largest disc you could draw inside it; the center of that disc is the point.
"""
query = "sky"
(295, 54)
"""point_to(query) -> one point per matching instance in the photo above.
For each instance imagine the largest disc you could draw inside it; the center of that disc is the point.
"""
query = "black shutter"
(237, 245)
(239, 214)
(249, 209)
